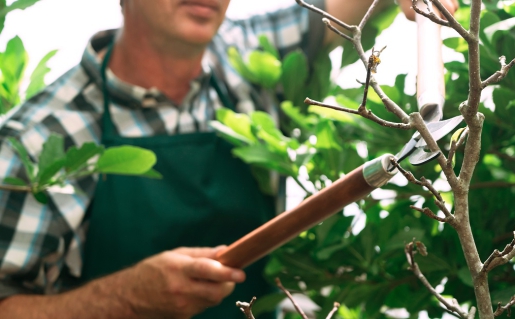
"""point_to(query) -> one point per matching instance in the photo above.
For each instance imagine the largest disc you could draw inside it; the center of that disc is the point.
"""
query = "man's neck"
(169, 69)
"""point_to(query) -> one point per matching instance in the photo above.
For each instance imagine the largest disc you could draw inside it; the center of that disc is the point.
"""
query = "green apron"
(207, 197)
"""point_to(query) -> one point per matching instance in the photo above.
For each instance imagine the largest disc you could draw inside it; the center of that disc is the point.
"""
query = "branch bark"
(410, 252)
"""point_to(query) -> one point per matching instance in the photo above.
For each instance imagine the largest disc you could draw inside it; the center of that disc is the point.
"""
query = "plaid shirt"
(41, 244)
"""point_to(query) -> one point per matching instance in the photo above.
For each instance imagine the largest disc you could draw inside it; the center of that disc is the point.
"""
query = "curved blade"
(440, 129)
(420, 157)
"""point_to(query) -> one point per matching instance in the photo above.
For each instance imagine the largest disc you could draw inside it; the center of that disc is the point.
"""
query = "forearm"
(102, 298)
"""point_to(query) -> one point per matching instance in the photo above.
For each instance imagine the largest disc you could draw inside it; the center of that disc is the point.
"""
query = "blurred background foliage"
(15, 85)
(366, 269)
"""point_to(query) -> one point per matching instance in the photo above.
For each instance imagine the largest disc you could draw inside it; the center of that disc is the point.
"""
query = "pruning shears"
(364, 179)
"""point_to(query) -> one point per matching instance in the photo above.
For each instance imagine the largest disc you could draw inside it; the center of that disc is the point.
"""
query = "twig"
(299, 310)
(449, 218)
(418, 123)
(367, 15)
(326, 15)
(246, 308)
(454, 306)
(335, 30)
(499, 75)
(366, 114)
(15, 188)
(390, 105)
(453, 23)
(455, 145)
(500, 309)
(335, 308)
(498, 258)
(430, 14)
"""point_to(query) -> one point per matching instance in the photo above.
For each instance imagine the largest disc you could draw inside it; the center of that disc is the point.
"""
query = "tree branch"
(409, 250)
(326, 15)
(364, 113)
(498, 258)
(500, 309)
(14, 188)
(299, 310)
(453, 23)
(449, 218)
(499, 75)
(367, 15)
(336, 306)
(430, 14)
(246, 308)
(417, 122)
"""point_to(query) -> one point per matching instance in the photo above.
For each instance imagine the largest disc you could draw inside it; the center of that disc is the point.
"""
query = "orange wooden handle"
(289, 224)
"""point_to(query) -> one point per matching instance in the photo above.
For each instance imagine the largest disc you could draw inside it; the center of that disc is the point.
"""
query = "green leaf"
(3, 5)
(24, 157)
(53, 151)
(331, 114)
(326, 136)
(267, 46)
(265, 67)
(45, 175)
(78, 157)
(239, 123)
(15, 181)
(12, 65)
(152, 173)
(510, 9)
(229, 134)
(41, 197)
(260, 155)
(457, 44)
(294, 75)
(465, 277)
(239, 65)
(20, 4)
(37, 78)
(456, 135)
(125, 160)
(262, 176)
(293, 112)
(504, 25)
(319, 83)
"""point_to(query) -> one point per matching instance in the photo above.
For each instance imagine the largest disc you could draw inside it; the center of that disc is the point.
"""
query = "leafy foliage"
(13, 64)
(366, 270)
(55, 166)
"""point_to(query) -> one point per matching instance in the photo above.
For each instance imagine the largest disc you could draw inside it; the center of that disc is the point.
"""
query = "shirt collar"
(128, 94)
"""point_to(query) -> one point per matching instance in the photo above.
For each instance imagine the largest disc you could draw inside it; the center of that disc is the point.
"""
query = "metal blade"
(420, 157)
(440, 129)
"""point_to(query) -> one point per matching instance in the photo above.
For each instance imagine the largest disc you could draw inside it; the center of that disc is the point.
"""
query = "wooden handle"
(430, 79)
(289, 224)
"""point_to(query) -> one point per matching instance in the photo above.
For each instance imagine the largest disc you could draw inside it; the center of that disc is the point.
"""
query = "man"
(155, 83)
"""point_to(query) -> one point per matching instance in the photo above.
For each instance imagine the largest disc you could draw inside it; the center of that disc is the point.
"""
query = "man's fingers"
(207, 252)
(210, 293)
(208, 269)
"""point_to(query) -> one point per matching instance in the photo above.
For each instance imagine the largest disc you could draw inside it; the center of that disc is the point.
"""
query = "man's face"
(190, 21)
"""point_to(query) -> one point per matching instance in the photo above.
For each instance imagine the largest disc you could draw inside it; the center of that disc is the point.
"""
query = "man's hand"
(176, 284)
(450, 5)
(180, 283)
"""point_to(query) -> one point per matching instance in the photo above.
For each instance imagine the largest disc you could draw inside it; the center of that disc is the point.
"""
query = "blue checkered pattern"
(41, 244)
